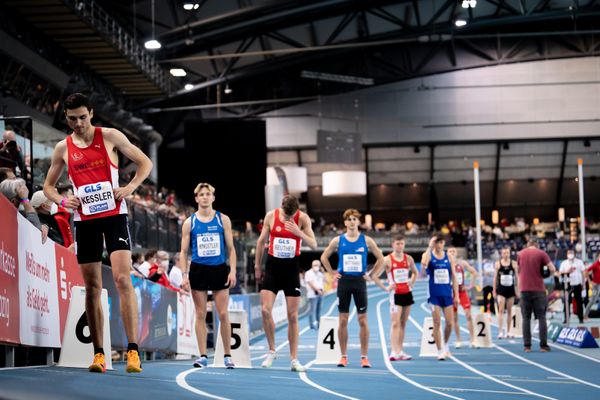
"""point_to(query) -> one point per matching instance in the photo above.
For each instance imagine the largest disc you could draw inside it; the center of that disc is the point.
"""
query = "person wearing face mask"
(55, 217)
(158, 272)
(314, 285)
(572, 270)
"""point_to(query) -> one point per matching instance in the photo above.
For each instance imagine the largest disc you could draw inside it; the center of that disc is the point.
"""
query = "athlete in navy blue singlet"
(209, 233)
(352, 248)
(443, 290)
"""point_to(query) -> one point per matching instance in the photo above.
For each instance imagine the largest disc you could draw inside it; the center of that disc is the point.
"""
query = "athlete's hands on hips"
(292, 227)
(390, 287)
(337, 276)
(70, 202)
(367, 277)
(231, 280)
(122, 192)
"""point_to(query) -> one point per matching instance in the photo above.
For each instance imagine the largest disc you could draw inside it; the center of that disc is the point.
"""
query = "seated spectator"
(175, 274)
(149, 262)
(6, 173)
(158, 272)
(55, 217)
(136, 260)
(17, 193)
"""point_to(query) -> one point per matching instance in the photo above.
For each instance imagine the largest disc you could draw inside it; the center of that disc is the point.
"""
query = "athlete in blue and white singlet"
(208, 240)
(211, 238)
(352, 248)
(443, 290)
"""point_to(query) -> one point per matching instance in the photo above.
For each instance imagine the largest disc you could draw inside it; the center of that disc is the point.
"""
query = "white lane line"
(282, 345)
(487, 376)
(558, 346)
(182, 383)
(388, 364)
(303, 375)
(537, 364)
(467, 366)
(306, 380)
(479, 390)
(307, 328)
(546, 368)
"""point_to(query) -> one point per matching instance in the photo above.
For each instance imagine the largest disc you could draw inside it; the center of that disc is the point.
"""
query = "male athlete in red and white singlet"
(286, 228)
(90, 155)
(402, 274)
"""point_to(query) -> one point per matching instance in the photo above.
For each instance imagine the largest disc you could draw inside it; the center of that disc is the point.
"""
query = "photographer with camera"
(10, 153)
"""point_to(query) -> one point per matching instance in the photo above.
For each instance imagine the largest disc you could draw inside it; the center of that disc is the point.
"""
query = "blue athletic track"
(501, 372)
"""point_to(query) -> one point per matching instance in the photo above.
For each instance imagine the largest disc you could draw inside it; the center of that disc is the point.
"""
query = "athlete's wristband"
(25, 200)
(62, 202)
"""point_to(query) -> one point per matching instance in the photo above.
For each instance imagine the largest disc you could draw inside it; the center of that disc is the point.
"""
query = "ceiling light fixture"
(152, 44)
(460, 23)
(469, 3)
(227, 89)
(188, 86)
(323, 76)
(190, 5)
(178, 72)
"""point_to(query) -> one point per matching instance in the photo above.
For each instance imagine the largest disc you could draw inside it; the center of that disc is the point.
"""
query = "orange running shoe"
(343, 361)
(98, 365)
(364, 362)
(133, 361)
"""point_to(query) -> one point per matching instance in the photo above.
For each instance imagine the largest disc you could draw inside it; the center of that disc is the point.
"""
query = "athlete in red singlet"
(287, 228)
(402, 273)
(463, 292)
(90, 155)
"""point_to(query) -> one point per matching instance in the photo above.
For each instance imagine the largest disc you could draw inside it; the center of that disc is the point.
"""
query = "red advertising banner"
(9, 273)
(68, 274)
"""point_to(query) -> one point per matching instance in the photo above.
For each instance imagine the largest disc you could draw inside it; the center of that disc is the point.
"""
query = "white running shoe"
(441, 355)
(474, 345)
(271, 356)
(405, 357)
(297, 367)
(457, 344)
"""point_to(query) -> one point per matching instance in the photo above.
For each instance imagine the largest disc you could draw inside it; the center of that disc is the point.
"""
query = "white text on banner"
(39, 313)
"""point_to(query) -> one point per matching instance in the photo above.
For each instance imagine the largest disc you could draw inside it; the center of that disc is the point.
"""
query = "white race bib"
(352, 263)
(284, 247)
(506, 280)
(401, 275)
(460, 278)
(441, 277)
(208, 244)
(96, 198)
